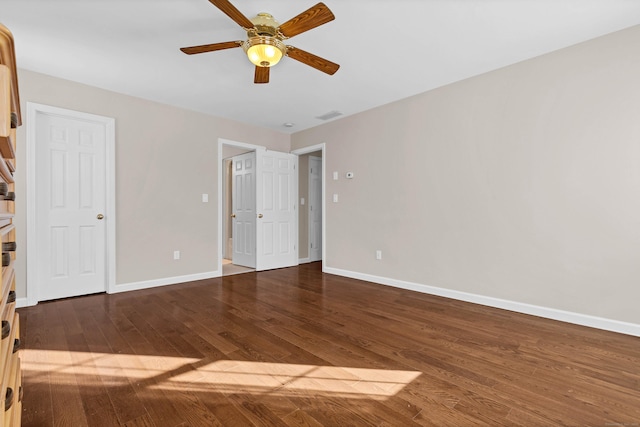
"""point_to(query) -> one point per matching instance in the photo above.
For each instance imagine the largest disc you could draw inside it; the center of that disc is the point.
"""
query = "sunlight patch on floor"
(226, 376)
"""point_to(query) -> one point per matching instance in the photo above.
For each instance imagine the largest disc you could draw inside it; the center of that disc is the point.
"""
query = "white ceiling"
(388, 50)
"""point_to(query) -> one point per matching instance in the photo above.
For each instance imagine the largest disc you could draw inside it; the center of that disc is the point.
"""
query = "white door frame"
(320, 147)
(221, 143)
(33, 109)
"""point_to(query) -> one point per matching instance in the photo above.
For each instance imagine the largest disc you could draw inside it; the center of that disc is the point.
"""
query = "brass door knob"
(100, 216)
(259, 215)
(233, 215)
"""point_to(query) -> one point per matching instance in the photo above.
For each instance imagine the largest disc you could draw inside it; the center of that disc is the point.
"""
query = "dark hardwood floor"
(295, 347)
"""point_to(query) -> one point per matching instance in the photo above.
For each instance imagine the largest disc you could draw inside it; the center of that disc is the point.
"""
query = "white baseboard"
(134, 286)
(546, 312)
(22, 302)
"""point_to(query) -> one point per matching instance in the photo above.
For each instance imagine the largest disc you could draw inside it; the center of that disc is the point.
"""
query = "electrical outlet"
(176, 255)
(378, 254)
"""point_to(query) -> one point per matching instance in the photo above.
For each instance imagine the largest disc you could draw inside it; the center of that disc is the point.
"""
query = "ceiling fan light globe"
(264, 51)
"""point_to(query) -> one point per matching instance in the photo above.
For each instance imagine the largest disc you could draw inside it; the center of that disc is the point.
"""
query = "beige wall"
(166, 157)
(521, 184)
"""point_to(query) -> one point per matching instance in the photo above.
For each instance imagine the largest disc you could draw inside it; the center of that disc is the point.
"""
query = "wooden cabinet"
(10, 119)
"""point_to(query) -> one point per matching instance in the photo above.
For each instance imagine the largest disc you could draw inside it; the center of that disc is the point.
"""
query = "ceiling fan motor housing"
(263, 25)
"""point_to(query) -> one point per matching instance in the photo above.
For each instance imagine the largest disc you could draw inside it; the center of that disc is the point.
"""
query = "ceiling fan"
(265, 39)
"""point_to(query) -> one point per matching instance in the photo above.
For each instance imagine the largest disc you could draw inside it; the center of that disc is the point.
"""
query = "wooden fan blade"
(210, 47)
(261, 75)
(312, 60)
(307, 20)
(233, 13)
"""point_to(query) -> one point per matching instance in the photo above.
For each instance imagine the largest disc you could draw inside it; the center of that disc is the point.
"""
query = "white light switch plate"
(335, 198)
(205, 198)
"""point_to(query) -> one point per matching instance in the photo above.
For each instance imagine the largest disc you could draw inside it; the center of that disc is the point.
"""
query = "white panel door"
(70, 206)
(276, 206)
(243, 189)
(315, 208)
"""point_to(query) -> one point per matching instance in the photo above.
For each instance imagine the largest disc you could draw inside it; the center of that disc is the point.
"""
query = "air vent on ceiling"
(329, 115)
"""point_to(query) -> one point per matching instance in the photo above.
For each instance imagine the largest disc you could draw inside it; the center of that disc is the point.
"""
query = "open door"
(243, 201)
(277, 210)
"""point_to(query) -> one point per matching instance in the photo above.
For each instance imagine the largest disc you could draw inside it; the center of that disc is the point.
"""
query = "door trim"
(320, 147)
(33, 109)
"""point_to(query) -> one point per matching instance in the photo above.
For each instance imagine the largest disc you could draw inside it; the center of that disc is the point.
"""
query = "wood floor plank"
(37, 371)
(225, 411)
(300, 418)
(158, 403)
(142, 421)
(296, 347)
(123, 396)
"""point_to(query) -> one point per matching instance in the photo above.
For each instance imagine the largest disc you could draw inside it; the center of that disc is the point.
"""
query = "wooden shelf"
(8, 58)
(10, 118)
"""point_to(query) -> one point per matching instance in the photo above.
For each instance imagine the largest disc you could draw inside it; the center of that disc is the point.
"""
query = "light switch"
(205, 198)
(335, 176)
(301, 201)
(335, 198)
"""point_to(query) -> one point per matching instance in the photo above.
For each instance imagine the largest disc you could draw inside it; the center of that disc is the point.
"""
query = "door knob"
(259, 215)
(100, 216)
(233, 215)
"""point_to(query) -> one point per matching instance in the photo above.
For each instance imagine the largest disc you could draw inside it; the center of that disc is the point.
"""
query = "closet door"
(71, 205)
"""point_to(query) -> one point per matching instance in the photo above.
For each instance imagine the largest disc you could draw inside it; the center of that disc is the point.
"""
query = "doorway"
(238, 258)
(313, 212)
(261, 231)
(315, 208)
(310, 218)
(71, 203)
